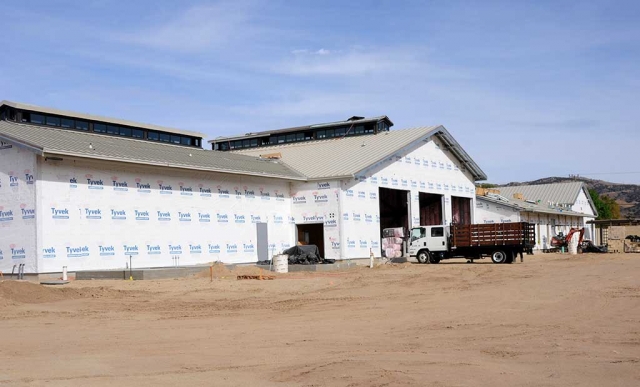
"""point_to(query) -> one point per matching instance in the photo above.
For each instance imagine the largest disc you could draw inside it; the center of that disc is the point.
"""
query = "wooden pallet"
(256, 277)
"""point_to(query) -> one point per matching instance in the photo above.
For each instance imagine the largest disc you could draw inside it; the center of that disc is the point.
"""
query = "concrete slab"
(142, 273)
(339, 265)
(58, 282)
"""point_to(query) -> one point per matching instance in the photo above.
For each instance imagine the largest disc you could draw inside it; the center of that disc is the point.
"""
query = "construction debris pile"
(303, 255)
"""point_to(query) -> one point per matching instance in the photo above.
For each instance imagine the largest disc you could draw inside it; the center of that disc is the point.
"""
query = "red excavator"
(562, 240)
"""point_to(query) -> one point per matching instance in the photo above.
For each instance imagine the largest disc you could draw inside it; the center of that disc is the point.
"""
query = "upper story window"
(37, 119)
(53, 121)
(99, 127)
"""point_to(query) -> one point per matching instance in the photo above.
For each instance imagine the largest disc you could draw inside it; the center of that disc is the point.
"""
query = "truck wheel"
(511, 256)
(499, 256)
(423, 256)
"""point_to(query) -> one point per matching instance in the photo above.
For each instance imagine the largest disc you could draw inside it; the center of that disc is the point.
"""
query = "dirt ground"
(552, 320)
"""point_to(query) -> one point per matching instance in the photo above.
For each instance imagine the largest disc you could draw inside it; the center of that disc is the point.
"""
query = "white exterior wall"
(582, 205)
(425, 168)
(96, 214)
(490, 212)
(319, 202)
(17, 208)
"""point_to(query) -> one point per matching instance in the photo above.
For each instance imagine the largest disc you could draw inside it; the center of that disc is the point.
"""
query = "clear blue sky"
(529, 89)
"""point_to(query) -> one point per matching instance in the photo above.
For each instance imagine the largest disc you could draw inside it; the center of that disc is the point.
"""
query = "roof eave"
(34, 148)
(168, 165)
(453, 146)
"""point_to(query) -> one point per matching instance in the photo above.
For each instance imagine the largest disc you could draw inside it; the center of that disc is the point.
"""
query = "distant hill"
(626, 195)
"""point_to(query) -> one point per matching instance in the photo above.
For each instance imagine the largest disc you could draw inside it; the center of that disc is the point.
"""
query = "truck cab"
(429, 243)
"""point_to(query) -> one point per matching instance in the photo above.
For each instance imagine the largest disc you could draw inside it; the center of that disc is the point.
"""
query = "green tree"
(607, 207)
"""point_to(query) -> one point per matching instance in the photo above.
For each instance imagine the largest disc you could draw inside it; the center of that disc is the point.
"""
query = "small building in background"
(554, 208)
(621, 235)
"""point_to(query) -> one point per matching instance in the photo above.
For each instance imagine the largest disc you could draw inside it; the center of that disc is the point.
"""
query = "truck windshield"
(417, 233)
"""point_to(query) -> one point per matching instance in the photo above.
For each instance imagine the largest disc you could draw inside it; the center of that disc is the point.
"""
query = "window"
(26, 117)
(112, 129)
(137, 133)
(321, 134)
(165, 137)
(273, 140)
(82, 125)
(185, 140)
(417, 233)
(299, 136)
(291, 138)
(12, 114)
(281, 139)
(53, 121)
(125, 132)
(308, 136)
(340, 132)
(100, 128)
(37, 119)
(437, 232)
(359, 129)
(153, 136)
(66, 123)
(175, 139)
(197, 142)
(330, 133)
(223, 146)
(254, 142)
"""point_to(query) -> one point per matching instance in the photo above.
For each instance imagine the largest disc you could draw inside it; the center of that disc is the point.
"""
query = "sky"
(529, 89)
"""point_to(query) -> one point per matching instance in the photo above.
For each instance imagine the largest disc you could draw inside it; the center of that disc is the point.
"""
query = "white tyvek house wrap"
(319, 202)
(489, 212)
(426, 168)
(158, 216)
(17, 208)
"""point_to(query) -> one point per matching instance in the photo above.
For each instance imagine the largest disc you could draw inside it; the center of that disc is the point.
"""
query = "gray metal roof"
(556, 193)
(350, 156)
(116, 121)
(530, 207)
(49, 141)
(562, 193)
(305, 127)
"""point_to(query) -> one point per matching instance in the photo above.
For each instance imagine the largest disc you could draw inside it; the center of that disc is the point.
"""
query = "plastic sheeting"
(98, 216)
(17, 209)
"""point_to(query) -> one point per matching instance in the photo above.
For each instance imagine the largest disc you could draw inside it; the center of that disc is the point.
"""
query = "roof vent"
(355, 118)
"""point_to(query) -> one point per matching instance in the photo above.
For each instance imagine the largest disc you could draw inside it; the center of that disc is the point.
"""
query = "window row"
(97, 127)
(301, 136)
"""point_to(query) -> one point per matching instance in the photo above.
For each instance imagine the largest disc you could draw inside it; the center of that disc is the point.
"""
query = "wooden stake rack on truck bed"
(519, 234)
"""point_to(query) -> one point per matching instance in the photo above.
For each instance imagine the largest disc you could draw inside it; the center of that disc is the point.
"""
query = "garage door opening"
(430, 209)
(394, 208)
(311, 234)
(461, 210)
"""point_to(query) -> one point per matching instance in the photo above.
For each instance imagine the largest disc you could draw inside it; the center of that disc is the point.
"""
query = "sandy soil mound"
(219, 271)
(12, 292)
(28, 292)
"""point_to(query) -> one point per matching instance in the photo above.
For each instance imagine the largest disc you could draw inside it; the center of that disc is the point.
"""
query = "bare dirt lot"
(553, 320)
